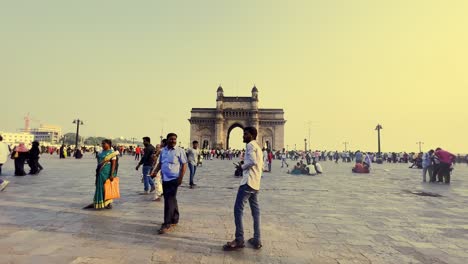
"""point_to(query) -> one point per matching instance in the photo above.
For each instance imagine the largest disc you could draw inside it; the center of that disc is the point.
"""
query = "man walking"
(192, 156)
(248, 190)
(147, 162)
(284, 156)
(172, 164)
(137, 153)
(4, 153)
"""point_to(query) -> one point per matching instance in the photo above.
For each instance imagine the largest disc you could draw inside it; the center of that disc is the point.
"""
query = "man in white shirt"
(4, 153)
(248, 190)
(265, 159)
(192, 156)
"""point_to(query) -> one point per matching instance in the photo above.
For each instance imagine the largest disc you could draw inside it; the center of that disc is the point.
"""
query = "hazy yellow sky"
(123, 66)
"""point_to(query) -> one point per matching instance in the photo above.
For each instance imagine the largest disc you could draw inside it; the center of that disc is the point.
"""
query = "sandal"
(109, 206)
(255, 243)
(233, 245)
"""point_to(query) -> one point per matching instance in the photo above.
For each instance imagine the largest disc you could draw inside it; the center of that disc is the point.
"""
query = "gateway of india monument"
(212, 126)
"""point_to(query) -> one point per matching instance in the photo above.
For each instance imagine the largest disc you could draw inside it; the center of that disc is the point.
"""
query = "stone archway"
(214, 125)
(228, 135)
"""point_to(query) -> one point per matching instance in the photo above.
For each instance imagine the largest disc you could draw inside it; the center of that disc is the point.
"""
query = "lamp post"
(78, 122)
(309, 124)
(420, 143)
(345, 146)
(305, 144)
(379, 156)
(133, 140)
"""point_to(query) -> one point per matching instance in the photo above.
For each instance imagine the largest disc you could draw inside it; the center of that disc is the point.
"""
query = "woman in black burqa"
(33, 159)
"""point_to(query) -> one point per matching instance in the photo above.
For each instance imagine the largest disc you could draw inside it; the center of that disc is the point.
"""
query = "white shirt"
(253, 165)
(4, 152)
(192, 156)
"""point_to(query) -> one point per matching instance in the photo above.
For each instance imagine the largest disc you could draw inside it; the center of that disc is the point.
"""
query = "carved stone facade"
(212, 126)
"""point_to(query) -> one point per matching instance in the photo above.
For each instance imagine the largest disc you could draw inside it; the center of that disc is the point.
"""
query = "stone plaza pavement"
(333, 218)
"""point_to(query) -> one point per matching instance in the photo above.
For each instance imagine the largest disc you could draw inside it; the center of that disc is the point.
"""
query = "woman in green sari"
(106, 169)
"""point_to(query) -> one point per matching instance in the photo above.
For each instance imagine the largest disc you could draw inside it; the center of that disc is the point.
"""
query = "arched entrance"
(232, 127)
(212, 126)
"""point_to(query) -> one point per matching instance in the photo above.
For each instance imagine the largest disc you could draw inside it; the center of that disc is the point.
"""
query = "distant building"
(46, 133)
(17, 137)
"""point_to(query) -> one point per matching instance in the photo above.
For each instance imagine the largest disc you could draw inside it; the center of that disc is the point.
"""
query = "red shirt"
(138, 150)
(445, 156)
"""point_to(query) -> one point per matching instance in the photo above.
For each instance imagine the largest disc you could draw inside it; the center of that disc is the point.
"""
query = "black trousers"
(33, 165)
(19, 166)
(171, 209)
(444, 172)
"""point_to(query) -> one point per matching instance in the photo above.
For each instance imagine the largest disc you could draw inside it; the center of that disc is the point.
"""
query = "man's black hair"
(107, 141)
(252, 131)
(195, 142)
(147, 139)
(171, 135)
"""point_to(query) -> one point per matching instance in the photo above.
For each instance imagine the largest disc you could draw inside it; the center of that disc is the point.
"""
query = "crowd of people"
(164, 167)
(163, 170)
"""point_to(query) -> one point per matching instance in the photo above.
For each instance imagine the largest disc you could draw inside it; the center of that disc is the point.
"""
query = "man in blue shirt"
(172, 164)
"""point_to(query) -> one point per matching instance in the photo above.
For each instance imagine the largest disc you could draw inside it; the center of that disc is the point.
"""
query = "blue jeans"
(193, 170)
(146, 177)
(246, 193)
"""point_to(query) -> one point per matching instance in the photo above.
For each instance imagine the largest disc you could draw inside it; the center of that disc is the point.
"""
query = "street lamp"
(305, 144)
(379, 156)
(309, 124)
(345, 146)
(78, 122)
(420, 143)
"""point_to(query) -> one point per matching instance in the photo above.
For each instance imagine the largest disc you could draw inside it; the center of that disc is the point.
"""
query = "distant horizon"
(155, 140)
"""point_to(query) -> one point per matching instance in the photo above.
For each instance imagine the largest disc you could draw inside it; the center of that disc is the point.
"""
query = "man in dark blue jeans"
(248, 191)
(192, 156)
(147, 162)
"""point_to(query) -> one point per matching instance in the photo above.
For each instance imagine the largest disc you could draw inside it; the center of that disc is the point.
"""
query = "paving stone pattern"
(337, 217)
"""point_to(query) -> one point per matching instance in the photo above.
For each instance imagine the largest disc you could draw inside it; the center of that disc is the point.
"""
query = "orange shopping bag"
(111, 189)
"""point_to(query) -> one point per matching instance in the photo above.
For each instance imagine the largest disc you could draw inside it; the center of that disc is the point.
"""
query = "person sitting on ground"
(360, 168)
(297, 170)
(417, 161)
(311, 170)
(318, 168)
